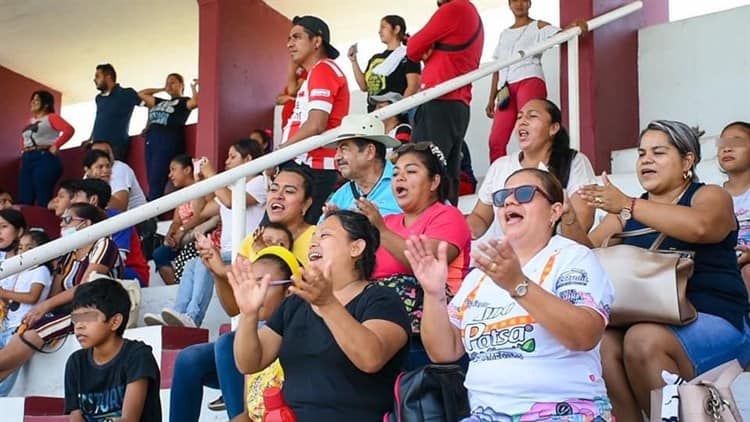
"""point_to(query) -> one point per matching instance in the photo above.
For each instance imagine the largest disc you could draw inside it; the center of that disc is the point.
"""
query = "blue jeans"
(196, 288)
(40, 171)
(710, 341)
(212, 365)
(7, 384)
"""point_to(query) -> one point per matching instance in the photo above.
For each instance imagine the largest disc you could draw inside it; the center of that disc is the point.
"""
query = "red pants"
(505, 120)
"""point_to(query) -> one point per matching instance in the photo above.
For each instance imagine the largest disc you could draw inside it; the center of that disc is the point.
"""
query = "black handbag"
(433, 393)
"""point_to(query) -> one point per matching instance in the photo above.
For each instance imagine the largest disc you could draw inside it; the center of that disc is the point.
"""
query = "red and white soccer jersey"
(324, 89)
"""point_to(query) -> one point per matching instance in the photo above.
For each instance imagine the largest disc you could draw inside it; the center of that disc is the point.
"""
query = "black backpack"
(433, 393)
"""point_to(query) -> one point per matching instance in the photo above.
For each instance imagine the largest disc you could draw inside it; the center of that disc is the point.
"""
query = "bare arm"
(119, 200)
(254, 349)
(31, 297)
(441, 339)
(359, 76)
(193, 101)
(135, 397)
(709, 218)
(369, 345)
(480, 219)
(578, 328)
(76, 416)
(147, 96)
(412, 84)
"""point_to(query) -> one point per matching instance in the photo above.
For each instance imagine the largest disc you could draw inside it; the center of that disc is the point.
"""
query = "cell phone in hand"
(197, 164)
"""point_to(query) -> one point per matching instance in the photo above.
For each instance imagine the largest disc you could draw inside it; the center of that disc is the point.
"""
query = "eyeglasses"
(67, 219)
(524, 194)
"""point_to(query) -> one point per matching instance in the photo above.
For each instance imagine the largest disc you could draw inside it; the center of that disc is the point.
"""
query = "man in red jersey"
(449, 45)
(321, 102)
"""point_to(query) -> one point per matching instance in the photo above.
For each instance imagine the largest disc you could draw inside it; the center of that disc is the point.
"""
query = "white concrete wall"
(696, 70)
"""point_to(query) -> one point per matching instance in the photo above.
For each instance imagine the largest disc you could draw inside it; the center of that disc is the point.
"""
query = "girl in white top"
(525, 79)
(544, 144)
(530, 317)
(20, 292)
(734, 158)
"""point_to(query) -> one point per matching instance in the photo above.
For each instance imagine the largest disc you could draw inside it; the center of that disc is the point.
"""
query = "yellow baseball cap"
(285, 254)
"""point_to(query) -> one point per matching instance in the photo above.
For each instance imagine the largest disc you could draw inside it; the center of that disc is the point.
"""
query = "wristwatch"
(626, 213)
(521, 289)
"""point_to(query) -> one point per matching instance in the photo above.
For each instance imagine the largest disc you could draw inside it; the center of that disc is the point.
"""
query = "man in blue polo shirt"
(360, 158)
(114, 107)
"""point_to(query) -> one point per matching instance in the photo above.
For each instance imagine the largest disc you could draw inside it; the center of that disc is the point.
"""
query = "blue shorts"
(710, 341)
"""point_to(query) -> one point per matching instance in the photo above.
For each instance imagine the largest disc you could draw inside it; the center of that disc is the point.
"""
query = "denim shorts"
(710, 341)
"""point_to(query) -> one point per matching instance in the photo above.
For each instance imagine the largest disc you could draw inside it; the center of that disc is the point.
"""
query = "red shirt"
(454, 23)
(324, 89)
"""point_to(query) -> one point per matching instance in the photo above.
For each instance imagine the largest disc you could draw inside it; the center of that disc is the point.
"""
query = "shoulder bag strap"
(460, 47)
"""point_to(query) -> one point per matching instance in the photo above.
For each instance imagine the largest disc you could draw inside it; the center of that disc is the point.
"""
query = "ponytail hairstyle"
(562, 155)
(394, 21)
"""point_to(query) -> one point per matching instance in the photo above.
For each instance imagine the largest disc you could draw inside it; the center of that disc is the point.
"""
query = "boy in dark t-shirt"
(110, 378)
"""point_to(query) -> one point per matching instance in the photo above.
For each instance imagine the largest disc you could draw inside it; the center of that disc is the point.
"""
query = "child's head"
(734, 148)
(181, 170)
(100, 309)
(280, 264)
(33, 238)
(273, 234)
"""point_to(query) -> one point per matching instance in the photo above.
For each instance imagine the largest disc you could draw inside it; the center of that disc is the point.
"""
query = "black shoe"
(217, 405)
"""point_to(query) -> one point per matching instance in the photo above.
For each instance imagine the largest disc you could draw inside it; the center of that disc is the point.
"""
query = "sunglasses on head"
(524, 194)
(67, 219)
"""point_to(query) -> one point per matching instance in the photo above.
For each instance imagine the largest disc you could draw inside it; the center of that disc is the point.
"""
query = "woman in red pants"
(524, 80)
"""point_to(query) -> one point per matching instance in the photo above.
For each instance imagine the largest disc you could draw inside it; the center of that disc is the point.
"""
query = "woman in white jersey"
(524, 80)
(530, 316)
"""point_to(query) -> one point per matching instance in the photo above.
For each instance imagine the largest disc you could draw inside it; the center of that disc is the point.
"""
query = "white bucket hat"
(364, 126)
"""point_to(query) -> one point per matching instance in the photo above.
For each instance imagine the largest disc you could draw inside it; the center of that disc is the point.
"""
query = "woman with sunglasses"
(695, 217)
(534, 310)
(341, 340)
(544, 144)
(50, 319)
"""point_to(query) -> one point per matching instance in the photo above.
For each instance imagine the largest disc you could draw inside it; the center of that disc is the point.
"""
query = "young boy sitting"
(110, 378)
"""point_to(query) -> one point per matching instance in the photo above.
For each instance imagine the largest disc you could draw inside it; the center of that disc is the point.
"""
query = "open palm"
(249, 293)
(430, 271)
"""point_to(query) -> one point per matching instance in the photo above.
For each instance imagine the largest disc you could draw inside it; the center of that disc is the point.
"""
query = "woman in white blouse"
(520, 82)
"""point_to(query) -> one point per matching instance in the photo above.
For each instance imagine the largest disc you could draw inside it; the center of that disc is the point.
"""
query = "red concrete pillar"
(608, 75)
(242, 67)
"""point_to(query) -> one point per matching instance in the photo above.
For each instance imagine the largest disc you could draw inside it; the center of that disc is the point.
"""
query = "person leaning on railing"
(530, 316)
(695, 217)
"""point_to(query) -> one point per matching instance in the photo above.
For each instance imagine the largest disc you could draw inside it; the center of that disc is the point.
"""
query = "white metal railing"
(236, 176)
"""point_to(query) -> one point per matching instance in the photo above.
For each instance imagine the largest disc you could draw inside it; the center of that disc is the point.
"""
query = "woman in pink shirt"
(421, 189)
(40, 165)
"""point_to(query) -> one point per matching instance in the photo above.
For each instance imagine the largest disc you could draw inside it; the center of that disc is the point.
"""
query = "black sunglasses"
(524, 194)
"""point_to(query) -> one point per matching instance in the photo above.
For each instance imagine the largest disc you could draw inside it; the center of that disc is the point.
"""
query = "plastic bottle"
(276, 409)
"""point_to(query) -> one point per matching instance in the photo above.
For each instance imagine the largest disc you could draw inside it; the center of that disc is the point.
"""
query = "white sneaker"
(176, 319)
(153, 319)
